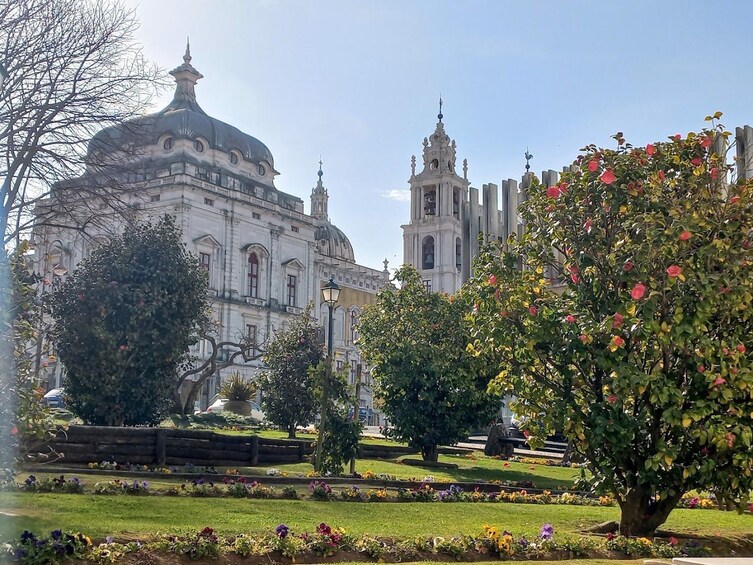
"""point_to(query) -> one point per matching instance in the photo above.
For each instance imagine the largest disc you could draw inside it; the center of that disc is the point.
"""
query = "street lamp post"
(330, 294)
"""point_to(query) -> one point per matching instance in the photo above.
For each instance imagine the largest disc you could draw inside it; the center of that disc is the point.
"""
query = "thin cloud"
(399, 195)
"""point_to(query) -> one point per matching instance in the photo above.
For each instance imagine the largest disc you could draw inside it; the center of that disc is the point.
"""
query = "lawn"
(133, 516)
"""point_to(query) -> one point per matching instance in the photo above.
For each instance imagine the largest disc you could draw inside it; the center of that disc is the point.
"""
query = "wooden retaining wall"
(160, 446)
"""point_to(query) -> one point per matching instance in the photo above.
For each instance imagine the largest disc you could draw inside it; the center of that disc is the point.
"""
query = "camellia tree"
(434, 391)
(642, 346)
(124, 321)
(288, 396)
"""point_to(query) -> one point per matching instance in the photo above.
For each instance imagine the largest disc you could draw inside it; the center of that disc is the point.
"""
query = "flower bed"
(240, 487)
(336, 544)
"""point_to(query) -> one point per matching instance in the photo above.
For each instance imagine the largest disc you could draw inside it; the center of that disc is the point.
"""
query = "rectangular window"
(338, 365)
(255, 216)
(204, 261)
(295, 228)
(291, 290)
(251, 337)
(427, 285)
(154, 198)
(209, 202)
(253, 276)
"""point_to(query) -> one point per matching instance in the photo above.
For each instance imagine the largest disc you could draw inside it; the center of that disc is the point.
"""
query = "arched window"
(198, 145)
(427, 253)
(253, 275)
(168, 144)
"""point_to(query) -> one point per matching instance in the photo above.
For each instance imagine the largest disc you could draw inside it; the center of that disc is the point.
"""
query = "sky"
(358, 83)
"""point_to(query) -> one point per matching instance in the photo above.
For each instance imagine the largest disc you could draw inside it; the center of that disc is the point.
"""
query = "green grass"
(130, 516)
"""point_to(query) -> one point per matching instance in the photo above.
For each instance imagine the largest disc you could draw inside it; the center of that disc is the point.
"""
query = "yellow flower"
(645, 541)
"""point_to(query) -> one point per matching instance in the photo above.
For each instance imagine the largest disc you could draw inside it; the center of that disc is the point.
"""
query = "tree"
(124, 322)
(73, 68)
(643, 350)
(434, 392)
(287, 386)
(222, 354)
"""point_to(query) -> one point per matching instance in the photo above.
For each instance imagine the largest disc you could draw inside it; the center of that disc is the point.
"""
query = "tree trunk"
(641, 514)
(291, 432)
(430, 453)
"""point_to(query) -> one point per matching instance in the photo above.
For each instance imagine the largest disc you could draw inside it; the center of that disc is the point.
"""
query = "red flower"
(734, 200)
(741, 348)
(662, 176)
(617, 320)
(706, 142)
(696, 162)
(593, 165)
(674, 271)
(492, 280)
(638, 291)
(607, 177)
(678, 137)
(587, 225)
(701, 369)
(611, 536)
(533, 310)
(628, 266)
(504, 313)
(575, 277)
(612, 398)
(618, 341)
(553, 191)
(570, 319)
(673, 541)
(714, 172)
(650, 149)
(526, 433)
(719, 381)
(583, 338)
(685, 236)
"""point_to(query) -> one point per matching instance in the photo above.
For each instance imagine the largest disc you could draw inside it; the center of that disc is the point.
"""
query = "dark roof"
(332, 242)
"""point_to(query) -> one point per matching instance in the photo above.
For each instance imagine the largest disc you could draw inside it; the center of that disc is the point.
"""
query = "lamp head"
(330, 292)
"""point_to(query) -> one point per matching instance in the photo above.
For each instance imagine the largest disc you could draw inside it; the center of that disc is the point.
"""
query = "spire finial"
(187, 56)
(320, 173)
(528, 157)
(440, 116)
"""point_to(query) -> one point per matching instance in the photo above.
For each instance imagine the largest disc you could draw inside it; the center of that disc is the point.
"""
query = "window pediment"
(207, 240)
(293, 264)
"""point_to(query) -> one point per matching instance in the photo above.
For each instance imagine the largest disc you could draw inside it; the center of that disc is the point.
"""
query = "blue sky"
(358, 83)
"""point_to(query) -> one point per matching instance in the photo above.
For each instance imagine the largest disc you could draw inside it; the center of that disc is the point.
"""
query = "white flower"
(273, 472)
(428, 479)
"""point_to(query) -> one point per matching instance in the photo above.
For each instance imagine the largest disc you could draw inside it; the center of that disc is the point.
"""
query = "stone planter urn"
(240, 407)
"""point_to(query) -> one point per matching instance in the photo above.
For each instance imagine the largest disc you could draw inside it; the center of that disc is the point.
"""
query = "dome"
(183, 118)
(332, 242)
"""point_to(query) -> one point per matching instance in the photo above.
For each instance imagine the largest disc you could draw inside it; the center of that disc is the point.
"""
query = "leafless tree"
(222, 354)
(73, 69)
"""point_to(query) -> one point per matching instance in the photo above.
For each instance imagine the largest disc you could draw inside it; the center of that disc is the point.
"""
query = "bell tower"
(433, 240)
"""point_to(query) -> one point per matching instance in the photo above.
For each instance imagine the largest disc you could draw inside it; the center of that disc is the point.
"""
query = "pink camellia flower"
(741, 348)
(628, 266)
(650, 149)
(734, 200)
(696, 162)
(706, 142)
(123, 347)
(553, 191)
(618, 341)
(617, 320)
(678, 137)
(638, 291)
(714, 172)
(607, 177)
(575, 277)
(612, 398)
(533, 310)
(719, 381)
(685, 236)
(583, 338)
(701, 369)
(570, 319)
(674, 271)
(593, 165)
(492, 280)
